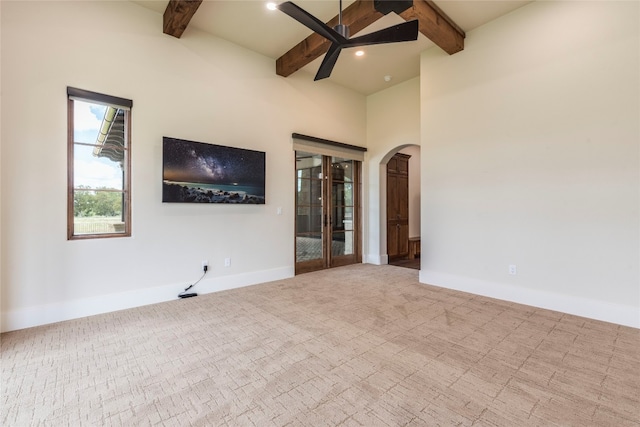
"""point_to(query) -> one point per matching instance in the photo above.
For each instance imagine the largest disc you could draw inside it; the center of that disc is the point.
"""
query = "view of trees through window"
(96, 203)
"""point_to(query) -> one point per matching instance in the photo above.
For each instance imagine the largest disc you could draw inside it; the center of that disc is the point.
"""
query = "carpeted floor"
(359, 345)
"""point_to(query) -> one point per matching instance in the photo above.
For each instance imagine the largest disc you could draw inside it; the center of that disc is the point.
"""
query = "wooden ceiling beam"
(436, 25)
(177, 16)
(432, 22)
(358, 16)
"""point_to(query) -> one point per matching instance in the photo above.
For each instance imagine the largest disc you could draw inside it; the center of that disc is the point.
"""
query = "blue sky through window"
(89, 170)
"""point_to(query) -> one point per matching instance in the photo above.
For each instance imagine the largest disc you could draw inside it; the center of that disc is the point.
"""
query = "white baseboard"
(74, 309)
(584, 307)
(67, 310)
(376, 259)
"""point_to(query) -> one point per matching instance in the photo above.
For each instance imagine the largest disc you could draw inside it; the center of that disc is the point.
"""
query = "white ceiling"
(248, 23)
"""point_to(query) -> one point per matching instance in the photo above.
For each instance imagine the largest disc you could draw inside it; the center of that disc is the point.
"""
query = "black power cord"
(184, 293)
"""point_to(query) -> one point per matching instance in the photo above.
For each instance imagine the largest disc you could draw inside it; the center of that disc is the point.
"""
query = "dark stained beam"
(358, 16)
(177, 16)
(436, 25)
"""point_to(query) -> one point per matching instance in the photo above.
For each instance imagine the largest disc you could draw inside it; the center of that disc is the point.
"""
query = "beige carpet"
(360, 345)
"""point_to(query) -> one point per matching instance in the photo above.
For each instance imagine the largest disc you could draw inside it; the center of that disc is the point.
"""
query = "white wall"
(198, 88)
(393, 123)
(1, 187)
(530, 153)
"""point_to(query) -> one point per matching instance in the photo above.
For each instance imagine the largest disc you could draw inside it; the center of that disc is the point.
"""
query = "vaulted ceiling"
(295, 48)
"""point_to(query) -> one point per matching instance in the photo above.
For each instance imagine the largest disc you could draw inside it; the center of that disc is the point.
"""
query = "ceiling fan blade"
(407, 31)
(328, 62)
(311, 22)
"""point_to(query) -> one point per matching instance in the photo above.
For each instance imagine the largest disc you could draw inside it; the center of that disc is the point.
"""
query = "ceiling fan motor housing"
(343, 30)
(397, 6)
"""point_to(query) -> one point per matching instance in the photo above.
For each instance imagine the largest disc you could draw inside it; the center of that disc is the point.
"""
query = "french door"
(327, 212)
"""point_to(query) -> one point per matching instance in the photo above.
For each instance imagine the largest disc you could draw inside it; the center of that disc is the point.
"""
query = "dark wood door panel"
(398, 206)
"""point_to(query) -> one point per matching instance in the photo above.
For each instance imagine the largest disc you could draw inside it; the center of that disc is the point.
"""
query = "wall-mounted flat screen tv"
(196, 172)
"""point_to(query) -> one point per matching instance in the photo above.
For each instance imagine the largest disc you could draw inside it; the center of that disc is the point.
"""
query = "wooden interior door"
(398, 206)
(327, 212)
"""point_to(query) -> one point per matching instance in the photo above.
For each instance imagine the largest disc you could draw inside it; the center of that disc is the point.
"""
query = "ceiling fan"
(339, 35)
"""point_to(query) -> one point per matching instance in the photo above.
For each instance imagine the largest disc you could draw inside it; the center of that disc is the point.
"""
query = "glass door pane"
(309, 209)
(342, 207)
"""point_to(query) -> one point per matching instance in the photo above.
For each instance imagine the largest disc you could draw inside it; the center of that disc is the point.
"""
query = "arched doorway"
(400, 206)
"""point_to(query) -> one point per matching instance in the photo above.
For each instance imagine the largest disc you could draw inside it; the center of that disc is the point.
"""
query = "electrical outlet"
(205, 265)
(227, 262)
(513, 270)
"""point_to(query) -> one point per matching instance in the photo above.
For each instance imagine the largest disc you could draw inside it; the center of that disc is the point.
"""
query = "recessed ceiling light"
(359, 52)
(271, 6)
(387, 78)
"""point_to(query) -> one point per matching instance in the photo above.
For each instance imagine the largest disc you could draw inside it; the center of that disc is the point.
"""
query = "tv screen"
(196, 172)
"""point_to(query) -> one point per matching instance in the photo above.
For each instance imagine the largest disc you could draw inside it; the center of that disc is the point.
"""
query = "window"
(99, 146)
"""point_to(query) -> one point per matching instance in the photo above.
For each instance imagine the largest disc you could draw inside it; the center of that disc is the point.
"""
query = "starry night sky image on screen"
(195, 172)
